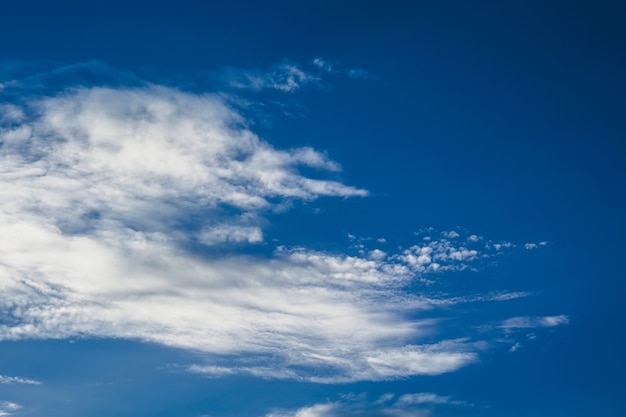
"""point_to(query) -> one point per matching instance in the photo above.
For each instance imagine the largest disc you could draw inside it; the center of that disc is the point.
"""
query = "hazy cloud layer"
(97, 189)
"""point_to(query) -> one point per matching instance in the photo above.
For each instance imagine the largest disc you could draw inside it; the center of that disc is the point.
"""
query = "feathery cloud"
(17, 380)
(7, 408)
(416, 405)
(534, 322)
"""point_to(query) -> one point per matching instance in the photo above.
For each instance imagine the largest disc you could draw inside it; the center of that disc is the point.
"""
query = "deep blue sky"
(503, 120)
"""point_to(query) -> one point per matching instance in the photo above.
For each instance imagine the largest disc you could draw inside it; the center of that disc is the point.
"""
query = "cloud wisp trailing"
(533, 322)
(414, 405)
(288, 77)
(107, 197)
(4, 379)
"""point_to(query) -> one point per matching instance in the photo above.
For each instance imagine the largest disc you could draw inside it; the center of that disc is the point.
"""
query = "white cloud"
(97, 187)
(377, 255)
(7, 408)
(289, 77)
(285, 77)
(414, 405)
(534, 322)
(423, 398)
(230, 233)
(323, 64)
(17, 380)
(501, 245)
(516, 346)
(531, 246)
(439, 255)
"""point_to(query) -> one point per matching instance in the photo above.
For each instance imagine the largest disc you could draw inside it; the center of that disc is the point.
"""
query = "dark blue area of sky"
(504, 118)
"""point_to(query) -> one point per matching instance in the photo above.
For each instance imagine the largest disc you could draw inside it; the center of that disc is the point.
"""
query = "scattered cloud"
(473, 238)
(531, 246)
(516, 346)
(323, 64)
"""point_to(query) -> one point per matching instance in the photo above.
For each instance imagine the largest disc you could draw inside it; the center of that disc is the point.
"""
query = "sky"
(312, 208)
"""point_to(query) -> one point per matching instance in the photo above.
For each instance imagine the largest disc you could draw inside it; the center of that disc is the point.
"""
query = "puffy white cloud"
(104, 193)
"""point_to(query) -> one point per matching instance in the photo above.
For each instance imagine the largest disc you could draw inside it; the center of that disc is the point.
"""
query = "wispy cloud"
(424, 398)
(414, 405)
(289, 77)
(7, 408)
(530, 246)
(97, 187)
(534, 322)
(17, 380)
(284, 77)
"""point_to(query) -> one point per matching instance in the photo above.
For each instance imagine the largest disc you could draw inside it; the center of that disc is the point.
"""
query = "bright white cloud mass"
(97, 189)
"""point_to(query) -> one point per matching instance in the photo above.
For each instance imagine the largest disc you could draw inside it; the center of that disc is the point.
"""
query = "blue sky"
(306, 209)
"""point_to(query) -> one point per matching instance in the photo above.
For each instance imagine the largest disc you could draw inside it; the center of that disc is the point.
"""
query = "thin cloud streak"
(4, 379)
(534, 322)
(417, 404)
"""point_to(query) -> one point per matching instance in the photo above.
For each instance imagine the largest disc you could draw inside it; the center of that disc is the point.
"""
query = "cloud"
(285, 77)
(7, 408)
(230, 233)
(289, 77)
(323, 64)
(111, 200)
(516, 346)
(534, 322)
(17, 380)
(531, 246)
(423, 398)
(415, 405)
